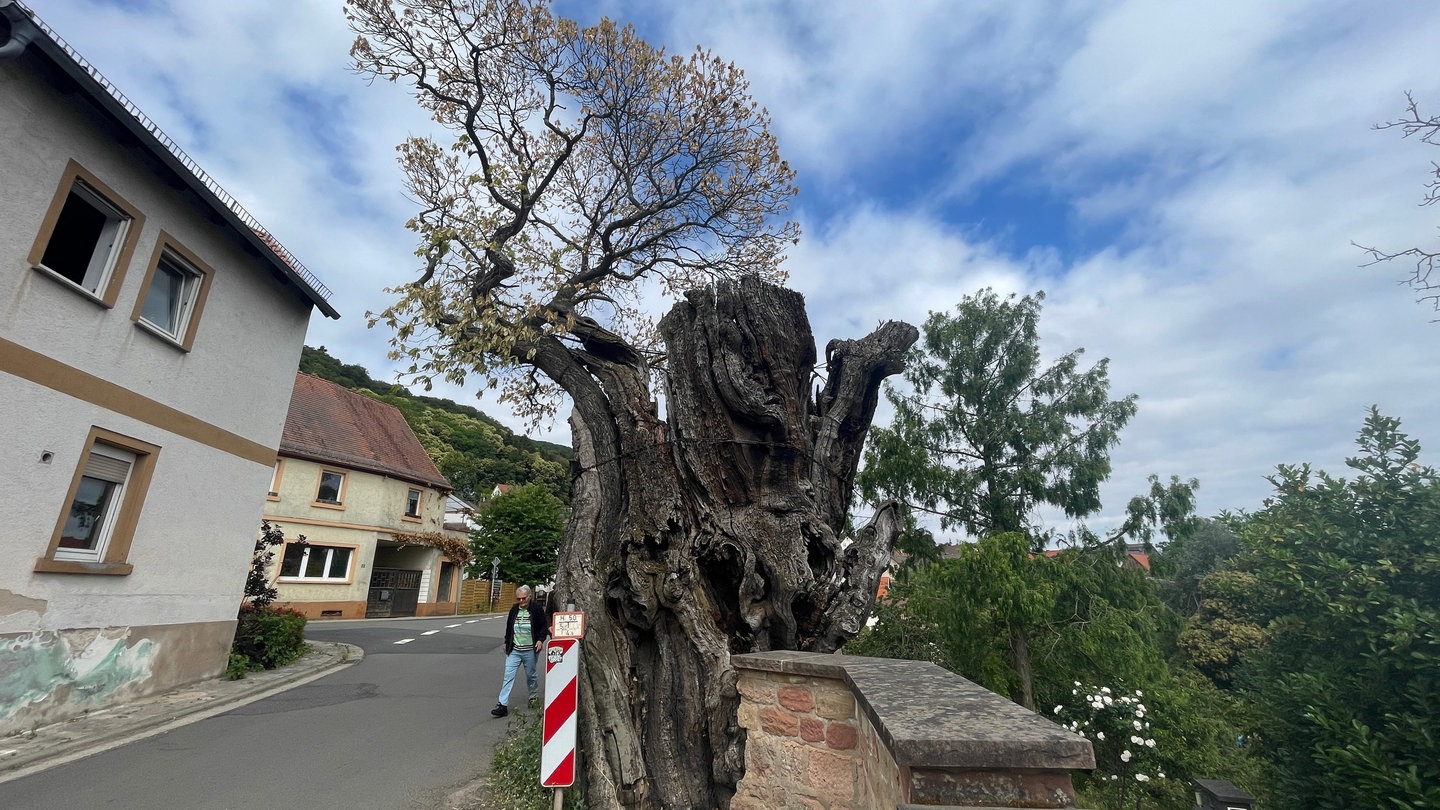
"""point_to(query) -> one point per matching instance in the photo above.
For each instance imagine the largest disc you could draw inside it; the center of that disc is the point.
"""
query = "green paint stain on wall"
(42, 666)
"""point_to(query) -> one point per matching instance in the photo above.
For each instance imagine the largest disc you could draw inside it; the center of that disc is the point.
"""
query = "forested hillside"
(471, 449)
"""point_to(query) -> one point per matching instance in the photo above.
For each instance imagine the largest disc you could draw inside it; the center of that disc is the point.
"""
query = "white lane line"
(405, 641)
(429, 632)
(448, 626)
(472, 621)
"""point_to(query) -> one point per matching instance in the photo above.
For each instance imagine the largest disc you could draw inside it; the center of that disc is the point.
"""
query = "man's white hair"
(522, 589)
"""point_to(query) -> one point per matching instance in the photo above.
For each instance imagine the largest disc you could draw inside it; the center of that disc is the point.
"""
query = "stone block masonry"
(832, 732)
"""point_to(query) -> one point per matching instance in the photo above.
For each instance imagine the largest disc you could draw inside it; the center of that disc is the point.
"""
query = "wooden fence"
(476, 596)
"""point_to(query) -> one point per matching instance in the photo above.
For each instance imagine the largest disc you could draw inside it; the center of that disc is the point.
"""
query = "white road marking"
(429, 632)
(405, 641)
(448, 626)
(472, 621)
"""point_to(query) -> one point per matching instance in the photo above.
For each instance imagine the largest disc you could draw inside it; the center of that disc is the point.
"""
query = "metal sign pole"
(494, 572)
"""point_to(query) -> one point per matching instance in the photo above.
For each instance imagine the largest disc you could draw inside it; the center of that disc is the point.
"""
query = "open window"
(412, 504)
(102, 507)
(87, 236)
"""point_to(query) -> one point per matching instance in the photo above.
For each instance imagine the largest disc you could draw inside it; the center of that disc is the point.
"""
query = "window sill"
(45, 565)
(412, 518)
(161, 335)
(71, 286)
(314, 580)
(325, 505)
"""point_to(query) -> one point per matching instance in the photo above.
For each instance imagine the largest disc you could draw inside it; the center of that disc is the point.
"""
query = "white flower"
(1140, 777)
(1058, 708)
(1074, 691)
(1161, 774)
(1125, 755)
(1149, 743)
(1077, 683)
(1137, 740)
(1138, 693)
(1138, 725)
(1113, 777)
(1099, 735)
(1104, 690)
(1108, 700)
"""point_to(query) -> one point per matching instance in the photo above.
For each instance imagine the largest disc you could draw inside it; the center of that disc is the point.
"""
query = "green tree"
(523, 528)
(1086, 619)
(1348, 576)
(988, 434)
(1187, 558)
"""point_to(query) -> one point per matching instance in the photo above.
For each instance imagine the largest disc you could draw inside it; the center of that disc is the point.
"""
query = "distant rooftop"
(334, 425)
(244, 222)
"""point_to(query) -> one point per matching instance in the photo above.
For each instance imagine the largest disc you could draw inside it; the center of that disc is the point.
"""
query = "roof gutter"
(22, 30)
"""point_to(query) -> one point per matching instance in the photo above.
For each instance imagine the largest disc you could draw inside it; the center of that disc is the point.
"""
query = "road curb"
(91, 733)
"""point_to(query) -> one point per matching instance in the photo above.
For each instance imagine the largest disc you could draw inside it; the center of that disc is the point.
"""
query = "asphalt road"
(400, 730)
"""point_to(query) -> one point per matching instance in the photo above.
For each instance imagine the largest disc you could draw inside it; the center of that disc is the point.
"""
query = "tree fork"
(713, 531)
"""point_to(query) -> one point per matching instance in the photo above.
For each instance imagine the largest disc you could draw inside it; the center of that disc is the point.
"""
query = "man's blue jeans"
(520, 656)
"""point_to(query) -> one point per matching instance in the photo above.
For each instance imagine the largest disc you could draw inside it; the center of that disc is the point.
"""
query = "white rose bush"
(1128, 763)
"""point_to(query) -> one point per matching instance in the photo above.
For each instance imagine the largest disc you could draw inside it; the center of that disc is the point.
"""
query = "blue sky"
(1183, 180)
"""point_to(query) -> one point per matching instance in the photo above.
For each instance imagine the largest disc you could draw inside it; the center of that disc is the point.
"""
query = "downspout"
(21, 30)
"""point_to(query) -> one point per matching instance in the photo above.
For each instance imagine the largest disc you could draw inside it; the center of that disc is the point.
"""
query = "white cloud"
(1222, 154)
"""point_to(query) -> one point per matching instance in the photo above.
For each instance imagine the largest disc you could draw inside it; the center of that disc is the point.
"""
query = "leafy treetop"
(586, 171)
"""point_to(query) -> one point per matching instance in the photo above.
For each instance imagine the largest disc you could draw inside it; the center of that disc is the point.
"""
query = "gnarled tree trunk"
(712, 531)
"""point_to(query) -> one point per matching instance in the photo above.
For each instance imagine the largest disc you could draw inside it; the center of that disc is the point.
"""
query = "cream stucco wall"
(68, 363)
(372, 510)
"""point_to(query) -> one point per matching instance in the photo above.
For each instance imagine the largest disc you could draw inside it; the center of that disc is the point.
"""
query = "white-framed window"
(85, 243)
(174, 288)
(96, 503)
(332, 488)
(274, 493)
(412, 503)
(316, 562)
(101, 510)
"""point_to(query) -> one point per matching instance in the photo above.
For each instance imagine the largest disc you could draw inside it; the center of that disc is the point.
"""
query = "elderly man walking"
(526, 629)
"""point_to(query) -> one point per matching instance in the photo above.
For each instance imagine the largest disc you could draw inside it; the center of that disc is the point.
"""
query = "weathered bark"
(712, 531)
(1020, 659)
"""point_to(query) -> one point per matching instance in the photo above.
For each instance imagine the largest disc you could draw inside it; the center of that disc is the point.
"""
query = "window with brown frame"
(331, 491)
(97, 525)
(176, 285)
(274, 494)
(87, 236)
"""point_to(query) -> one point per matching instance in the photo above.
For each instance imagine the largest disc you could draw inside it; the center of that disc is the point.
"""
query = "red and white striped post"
(562, 693)
(562, 673)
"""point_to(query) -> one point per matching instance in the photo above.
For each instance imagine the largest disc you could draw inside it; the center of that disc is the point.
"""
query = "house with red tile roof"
(353, 479)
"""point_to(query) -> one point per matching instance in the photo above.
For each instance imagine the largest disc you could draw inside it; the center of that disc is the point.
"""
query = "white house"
(149, 335)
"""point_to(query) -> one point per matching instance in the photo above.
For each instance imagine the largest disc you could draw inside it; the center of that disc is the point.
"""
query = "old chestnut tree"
(584, 173)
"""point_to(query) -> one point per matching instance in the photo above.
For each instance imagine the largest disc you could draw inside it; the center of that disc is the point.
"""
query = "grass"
(515, 770)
